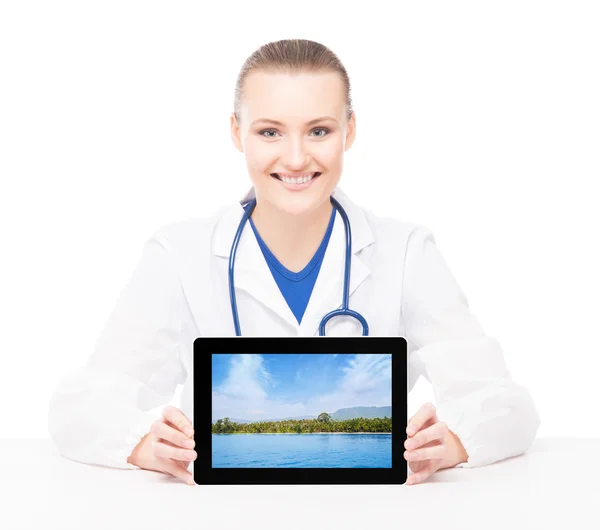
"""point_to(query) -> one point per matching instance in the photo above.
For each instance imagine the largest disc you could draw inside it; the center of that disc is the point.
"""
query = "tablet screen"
(301, 410)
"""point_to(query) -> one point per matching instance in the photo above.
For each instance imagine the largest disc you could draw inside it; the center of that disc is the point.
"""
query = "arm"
(491, 416)
(100, 412)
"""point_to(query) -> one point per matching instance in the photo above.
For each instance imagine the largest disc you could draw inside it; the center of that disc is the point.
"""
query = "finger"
(428, 423)
(426, 412)
(161, 430)
(421, 470)
(178, 413)
(426, 453)
(163, 450)
(421, 409)
(178, 419)
(420, 476)
(177, 428)
(171, 443)
(433, 433)
(172, 468)
(181, 463)
(184, 465)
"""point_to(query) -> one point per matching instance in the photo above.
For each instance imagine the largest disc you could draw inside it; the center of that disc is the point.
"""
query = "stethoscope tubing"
(343, 311)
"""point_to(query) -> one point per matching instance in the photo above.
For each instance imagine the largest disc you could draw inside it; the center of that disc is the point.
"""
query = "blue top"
(296, 287)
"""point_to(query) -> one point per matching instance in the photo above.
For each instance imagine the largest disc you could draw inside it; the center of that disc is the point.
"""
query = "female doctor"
(293, 120)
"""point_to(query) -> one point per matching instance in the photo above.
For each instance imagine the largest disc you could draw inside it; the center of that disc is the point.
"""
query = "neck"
(293, 239)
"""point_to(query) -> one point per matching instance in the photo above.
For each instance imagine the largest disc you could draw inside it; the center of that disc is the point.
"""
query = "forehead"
(292, 97)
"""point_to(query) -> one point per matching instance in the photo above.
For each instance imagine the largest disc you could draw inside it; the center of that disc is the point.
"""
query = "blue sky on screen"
(262, 386)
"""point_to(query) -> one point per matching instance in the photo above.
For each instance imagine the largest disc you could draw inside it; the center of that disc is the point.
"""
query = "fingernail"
(191, 481)
(189, 432)
(410, 430)
(189, 443)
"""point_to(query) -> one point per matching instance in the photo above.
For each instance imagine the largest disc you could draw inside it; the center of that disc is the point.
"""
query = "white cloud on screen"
(365, 373)
(247, 378)
(366, 381)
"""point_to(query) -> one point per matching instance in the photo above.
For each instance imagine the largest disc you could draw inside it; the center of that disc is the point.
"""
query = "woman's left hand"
(431, 445)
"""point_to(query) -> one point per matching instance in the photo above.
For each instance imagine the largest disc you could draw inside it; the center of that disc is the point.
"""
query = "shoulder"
(191, 231)
(392, 227)
(393, 231)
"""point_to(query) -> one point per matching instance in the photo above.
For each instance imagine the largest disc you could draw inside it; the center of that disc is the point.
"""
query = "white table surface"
(554, 485)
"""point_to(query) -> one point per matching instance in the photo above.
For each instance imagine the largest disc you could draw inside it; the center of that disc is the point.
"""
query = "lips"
(316, 174)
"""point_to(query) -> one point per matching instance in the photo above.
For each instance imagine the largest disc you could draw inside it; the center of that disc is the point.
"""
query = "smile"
(307, 177)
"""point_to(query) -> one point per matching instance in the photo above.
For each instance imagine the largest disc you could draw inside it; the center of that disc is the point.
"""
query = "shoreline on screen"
(296, 433)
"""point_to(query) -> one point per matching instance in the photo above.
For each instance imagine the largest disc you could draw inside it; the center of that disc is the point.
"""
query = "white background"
(478, 119)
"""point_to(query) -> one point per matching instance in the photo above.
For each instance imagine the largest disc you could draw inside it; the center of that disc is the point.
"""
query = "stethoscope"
(344, 311)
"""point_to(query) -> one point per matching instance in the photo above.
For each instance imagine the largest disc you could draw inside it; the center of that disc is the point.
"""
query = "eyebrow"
(275, 122)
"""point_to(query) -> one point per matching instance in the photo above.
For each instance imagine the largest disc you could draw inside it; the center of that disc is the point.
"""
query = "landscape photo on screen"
(305, 410)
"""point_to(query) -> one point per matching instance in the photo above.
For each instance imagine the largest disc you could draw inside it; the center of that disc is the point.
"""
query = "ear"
(351, 131)
(235, 133)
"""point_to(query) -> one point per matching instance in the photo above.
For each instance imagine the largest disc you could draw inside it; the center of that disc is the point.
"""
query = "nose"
(296, 155)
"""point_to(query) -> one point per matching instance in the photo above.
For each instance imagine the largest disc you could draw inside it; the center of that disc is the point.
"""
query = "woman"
(293, 120)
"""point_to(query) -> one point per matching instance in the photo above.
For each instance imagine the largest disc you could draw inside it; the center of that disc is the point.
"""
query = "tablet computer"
(300, 410)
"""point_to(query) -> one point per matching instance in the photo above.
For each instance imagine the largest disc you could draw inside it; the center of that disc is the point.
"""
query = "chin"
(298, 203)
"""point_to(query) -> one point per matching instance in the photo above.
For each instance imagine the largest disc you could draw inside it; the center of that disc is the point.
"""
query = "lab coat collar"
(252, 273)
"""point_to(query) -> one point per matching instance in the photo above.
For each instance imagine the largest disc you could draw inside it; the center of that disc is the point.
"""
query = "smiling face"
(311, 137)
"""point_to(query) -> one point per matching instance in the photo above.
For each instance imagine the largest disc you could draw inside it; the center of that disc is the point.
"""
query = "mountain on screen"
(361, 412)
(338, 415)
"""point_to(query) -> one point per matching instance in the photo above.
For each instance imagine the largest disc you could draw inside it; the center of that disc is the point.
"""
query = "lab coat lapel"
(252, 273)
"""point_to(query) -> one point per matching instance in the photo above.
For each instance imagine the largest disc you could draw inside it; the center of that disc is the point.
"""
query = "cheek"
(333, 164)
(256, 164)
(259, 159)
(331, 155)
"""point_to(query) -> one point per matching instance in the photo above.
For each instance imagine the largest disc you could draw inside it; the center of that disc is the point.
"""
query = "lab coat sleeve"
(100, 412)
(494, 417)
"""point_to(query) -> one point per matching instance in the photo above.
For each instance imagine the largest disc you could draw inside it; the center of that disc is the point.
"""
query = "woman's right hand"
(168, 447)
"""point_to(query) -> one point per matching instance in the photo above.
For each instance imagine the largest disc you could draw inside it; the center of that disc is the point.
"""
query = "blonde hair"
(292, 56)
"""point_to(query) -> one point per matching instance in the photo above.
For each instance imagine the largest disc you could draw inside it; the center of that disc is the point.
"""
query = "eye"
(322, 129)
(262, 133)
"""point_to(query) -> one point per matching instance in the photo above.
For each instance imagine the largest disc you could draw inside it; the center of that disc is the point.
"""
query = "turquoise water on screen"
(302, 450)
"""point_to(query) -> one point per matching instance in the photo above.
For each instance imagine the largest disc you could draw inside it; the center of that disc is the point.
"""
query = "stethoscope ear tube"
(344, 311)
(234, 311)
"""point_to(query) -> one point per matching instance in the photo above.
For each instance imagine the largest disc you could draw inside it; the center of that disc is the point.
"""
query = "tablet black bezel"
(204, 347)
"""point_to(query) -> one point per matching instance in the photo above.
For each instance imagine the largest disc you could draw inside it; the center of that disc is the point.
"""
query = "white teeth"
(299, 180)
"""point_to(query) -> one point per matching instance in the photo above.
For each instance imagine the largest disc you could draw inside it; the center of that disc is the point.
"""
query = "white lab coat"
(179, 290)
